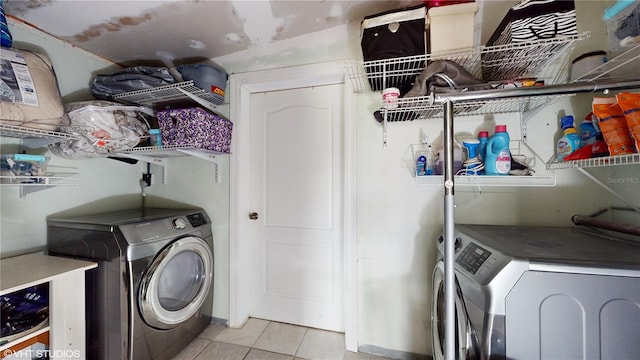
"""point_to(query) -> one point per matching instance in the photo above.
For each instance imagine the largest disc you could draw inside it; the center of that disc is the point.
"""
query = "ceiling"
(181, 31)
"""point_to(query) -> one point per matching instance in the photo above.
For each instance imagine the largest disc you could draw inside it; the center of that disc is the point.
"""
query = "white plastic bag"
(103, 128)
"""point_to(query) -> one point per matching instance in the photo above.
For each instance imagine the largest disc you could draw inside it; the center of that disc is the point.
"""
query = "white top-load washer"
(531, 292)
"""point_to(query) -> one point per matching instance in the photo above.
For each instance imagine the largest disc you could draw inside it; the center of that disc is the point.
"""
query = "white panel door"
(296, 183)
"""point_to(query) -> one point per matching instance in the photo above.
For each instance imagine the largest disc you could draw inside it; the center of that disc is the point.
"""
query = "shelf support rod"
(205, 156)
(384, 129)
(449, 235)
(150, 160)
(573, 88)
(611, 191)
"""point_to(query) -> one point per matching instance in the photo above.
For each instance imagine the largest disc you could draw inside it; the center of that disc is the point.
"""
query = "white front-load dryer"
(152, 292)
(534, 292)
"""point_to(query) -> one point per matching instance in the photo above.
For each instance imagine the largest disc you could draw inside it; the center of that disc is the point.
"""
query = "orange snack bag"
(613, 126)
(630, 105)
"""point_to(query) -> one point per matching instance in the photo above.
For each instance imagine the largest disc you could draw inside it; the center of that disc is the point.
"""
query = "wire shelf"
(31, 133)
(380, 74)
(618, 68)
(30, 184)
(527, 59)
(167, 93)
(485, 180)
(48, 179)
(490, 63)
(170, 150)
(627, 159)
(420, 108)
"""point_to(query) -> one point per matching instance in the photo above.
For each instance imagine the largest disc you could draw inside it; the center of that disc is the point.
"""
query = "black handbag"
(525, 22)
(531, 20)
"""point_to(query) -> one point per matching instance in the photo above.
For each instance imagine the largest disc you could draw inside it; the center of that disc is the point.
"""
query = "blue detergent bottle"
(498, 156)
(588, 131)
(483, 137)
(570, 140)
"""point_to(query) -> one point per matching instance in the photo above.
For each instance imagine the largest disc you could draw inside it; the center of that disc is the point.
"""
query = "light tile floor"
(267, 340)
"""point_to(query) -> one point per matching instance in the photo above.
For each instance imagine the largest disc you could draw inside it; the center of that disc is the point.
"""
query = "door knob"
(253, 215)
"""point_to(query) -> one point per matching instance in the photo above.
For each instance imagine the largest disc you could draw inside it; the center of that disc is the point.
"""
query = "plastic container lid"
(566, 122)
(483, 134)
(206, 77)
(501, 128)
(453, 9)
(154, 131)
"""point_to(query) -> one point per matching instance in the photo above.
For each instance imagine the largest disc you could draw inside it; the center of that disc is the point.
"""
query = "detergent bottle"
(472, 165)
(457, 159)
(425, 160)
(498, 156)
(570, 140)
(483, 137)
(588, 130)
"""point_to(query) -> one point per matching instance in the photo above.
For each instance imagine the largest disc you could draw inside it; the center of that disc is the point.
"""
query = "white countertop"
(27, 270)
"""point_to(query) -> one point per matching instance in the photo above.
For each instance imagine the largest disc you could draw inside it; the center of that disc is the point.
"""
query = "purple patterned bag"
(195, 127)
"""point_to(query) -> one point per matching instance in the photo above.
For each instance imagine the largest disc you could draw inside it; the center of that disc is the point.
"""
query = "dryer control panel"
(197, 219)
(472, 257)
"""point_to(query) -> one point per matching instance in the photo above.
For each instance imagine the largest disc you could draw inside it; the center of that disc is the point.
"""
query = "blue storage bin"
(206, 77)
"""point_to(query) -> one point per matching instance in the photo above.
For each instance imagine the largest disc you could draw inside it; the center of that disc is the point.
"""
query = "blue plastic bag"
(7, 40)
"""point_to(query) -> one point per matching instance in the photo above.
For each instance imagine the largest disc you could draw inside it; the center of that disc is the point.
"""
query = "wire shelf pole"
(561, 89)
(449, 236)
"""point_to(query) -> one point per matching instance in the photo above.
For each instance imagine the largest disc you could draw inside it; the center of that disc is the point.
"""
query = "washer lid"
(555, 245)
(121, 217)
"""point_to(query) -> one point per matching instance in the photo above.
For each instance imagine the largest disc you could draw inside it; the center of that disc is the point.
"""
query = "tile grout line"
(201, 350)
(261, 333)
(256, 340)
(295, 353)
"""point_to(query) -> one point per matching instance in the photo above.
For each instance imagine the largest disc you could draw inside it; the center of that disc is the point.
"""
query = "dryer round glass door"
(176, 284)
(465, 346)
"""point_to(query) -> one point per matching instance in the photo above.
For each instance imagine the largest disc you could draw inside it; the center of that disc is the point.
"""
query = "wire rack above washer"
(422, 108)
(29, 133)
(490, 63)
(626, 159)
(167, 93)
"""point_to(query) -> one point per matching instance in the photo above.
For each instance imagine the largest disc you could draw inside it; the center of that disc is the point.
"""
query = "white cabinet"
(65, 333)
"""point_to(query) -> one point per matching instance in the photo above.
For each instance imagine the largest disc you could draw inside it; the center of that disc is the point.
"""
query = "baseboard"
(215, 320)
(392, 354)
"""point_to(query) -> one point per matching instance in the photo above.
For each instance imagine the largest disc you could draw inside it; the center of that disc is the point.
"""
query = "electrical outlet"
(147, 179)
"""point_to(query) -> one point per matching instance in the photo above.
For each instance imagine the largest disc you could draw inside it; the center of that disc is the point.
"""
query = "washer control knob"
(179, 224)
